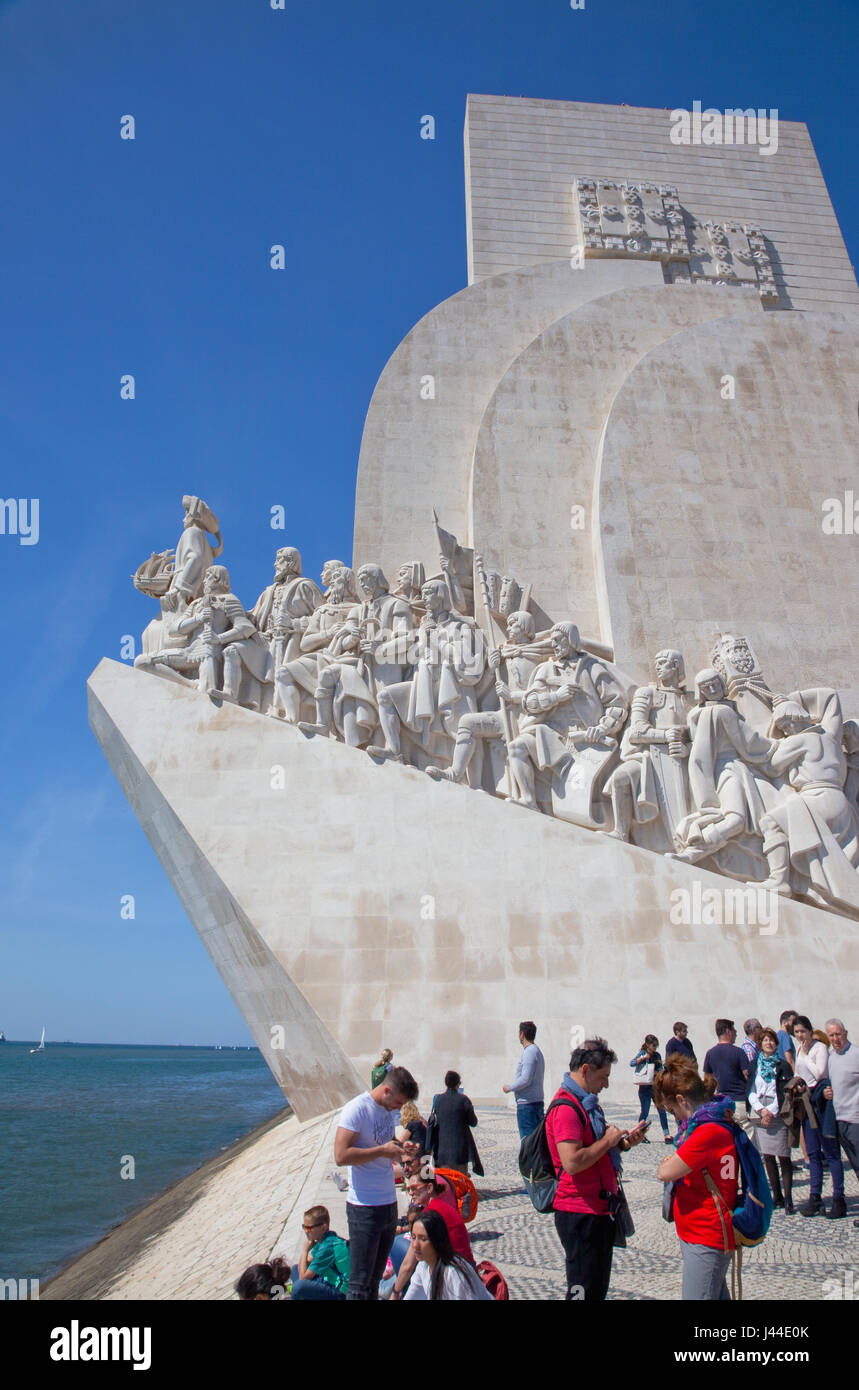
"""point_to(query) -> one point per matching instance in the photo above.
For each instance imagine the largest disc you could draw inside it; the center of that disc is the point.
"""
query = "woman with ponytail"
(705, 1148)
(267, 1281)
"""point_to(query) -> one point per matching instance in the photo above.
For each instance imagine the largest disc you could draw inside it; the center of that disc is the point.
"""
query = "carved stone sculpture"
(572, 710)
(221, 645)
(728, 799)
(283, 610)
(447, 666)
(850, 744)
(194, 551)
(651, 781)
(302, 676)
(410, 581)
(514, 662)
(365, 652)
(176, 577)
(735, 660)
(810, 835)
(756, 785)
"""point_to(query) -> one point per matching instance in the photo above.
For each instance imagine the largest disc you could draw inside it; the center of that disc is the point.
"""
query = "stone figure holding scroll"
(651, 782)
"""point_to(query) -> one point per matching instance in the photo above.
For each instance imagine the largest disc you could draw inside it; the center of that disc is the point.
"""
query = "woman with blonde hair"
(705, 1155)
(412, 1121)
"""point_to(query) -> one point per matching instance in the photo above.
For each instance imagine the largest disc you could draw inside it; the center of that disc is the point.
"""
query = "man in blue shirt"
(680, 1043)
(786, 1044)
(528, 1082)
(729, 1064)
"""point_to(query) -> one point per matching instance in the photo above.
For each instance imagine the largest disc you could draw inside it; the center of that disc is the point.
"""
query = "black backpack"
(535, 1161)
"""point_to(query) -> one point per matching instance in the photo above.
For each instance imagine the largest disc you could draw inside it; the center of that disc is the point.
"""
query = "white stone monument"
(641, 406)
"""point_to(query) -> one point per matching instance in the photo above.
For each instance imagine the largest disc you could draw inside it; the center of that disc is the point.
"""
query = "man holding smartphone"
(365, 1143)
(585, 1150)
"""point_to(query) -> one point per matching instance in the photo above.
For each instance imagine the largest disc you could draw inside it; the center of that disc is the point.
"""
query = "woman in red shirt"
(704, 1145)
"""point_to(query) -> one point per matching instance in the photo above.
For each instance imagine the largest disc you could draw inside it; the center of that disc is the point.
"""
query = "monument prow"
(356, 905)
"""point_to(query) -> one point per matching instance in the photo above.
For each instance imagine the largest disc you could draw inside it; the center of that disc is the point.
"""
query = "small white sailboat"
(41, 1047)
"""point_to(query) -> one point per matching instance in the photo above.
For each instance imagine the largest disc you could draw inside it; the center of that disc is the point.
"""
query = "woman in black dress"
(449, 1132)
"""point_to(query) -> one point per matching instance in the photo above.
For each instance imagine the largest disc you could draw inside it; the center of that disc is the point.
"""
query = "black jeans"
(371, 1235)
(588, 1243)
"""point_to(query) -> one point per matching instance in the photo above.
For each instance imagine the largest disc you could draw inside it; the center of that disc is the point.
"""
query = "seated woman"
(266, 1282)
(440, 1273)
(412, 1120)
(770, 1133)
(702, 1218)
(399, 1250)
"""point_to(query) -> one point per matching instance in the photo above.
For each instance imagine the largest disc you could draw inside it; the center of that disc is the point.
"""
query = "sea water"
(72, 1117)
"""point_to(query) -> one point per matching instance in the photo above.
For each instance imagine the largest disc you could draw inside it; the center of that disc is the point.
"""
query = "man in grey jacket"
(528, 1082)
(843, 1089)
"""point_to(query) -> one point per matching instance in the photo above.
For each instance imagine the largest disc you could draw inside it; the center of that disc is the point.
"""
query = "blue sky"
(253, 127)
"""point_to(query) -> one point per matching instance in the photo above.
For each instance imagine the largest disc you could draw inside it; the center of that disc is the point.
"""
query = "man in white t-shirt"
(365, 1143)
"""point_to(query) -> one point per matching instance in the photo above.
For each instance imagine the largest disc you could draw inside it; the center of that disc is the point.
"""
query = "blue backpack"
(751, 1217)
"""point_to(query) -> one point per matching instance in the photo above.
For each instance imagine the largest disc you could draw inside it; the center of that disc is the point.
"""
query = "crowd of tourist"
(737, 1121)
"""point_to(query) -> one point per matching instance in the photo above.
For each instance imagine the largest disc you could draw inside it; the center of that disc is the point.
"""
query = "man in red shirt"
(581, 1144)
(426, 1194)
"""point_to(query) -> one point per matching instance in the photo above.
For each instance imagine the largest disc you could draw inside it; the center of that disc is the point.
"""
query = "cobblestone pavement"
(194, 1240)
(800, 1259)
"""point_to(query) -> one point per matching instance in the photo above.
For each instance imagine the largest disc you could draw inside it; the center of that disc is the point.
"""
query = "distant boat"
(41, 1046)
(2, 1036)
